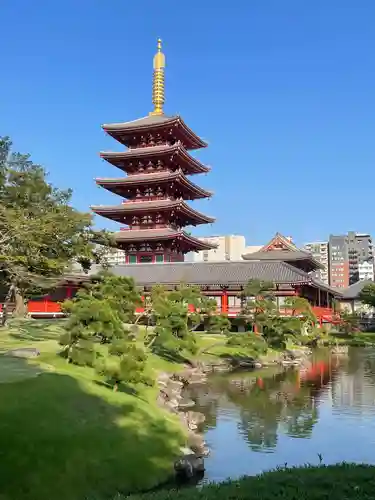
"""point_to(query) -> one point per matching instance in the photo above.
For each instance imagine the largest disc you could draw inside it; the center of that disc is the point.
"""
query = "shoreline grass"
(336, 482)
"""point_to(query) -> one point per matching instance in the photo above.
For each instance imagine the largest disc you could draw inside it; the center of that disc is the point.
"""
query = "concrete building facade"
(361, 259)
(351, 259)
(319, 250)
(229, 247)
(339, 261)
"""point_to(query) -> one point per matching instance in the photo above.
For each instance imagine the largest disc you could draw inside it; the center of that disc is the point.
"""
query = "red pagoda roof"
(117, 212)
(123, 186)
(125, 159)
(161, 234)
(169, 125)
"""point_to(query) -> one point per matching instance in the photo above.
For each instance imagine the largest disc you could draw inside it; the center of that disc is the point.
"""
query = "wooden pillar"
(69, 292)
(319, 302)
(224, 302)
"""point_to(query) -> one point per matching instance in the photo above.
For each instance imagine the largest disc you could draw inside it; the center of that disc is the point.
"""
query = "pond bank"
(170, 398)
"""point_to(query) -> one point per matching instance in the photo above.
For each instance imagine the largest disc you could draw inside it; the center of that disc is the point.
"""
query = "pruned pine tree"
(120, 292)
(91, 321)
(126, 363)
(176, 314)
(220, 324)
(97, 315)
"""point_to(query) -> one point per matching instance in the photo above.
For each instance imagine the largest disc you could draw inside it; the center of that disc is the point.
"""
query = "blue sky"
(283, 91)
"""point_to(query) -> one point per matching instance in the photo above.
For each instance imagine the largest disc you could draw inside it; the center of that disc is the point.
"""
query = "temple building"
(158, 165)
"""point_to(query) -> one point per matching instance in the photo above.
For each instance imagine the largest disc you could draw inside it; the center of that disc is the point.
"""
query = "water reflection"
(256, 421)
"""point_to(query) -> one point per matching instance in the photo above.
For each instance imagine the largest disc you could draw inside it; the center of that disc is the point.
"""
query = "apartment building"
(319, 250)
(230, 247)
(339, 261)
(351, 259)
(115, 256)
(361, 259)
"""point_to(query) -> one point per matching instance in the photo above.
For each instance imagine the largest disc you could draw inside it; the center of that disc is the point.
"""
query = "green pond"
(256, 421)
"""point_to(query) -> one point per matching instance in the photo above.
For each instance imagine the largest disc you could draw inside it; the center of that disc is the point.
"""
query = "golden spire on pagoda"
(158, 82)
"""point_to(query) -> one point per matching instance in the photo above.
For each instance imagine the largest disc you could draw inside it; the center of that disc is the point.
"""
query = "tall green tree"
(42, 235)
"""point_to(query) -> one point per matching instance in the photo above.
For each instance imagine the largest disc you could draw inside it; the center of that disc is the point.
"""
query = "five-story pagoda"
(157, 162)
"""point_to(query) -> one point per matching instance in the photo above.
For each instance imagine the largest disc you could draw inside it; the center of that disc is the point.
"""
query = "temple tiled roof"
(353, 291)
(162, 234)
(150, 206)
(118, 159)
(115, 184)
(215, 273)
(285, 255)
(146, 121)
(154, 122)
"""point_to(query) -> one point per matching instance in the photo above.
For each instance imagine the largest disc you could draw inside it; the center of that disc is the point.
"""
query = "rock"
(186, 403)
(197, 443)
(191, 376)
(195, 417)
(23, 352)
(189, 464)
(221, 368)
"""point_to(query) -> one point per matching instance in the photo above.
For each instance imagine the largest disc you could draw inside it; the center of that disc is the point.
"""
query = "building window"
(217, 299)
(145, 259)
(234, 301)
(159, 258)
(132, 259)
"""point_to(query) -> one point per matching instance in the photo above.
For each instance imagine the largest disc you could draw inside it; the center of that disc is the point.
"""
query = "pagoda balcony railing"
(147, 198)
(150, 145)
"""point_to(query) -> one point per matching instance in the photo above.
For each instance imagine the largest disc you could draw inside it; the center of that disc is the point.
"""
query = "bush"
(251, 341)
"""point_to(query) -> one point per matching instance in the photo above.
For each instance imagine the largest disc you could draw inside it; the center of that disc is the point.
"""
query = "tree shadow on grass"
(67, 438)
(35, 330)
(124, 388)
(169, 355)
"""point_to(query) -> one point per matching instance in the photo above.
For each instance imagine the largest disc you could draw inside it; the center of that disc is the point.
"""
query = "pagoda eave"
(122, 213)
(162, 125)
(125, 160)
(126, 238)
(127, 186)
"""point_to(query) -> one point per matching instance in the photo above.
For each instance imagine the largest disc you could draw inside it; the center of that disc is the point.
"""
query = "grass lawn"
(357, 339)
(337, 482)
(63, 435)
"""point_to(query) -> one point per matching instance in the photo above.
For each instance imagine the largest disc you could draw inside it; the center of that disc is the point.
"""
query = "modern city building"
(229, 247)
(115, 257)
(339, 261)
(351, 259)
(361, 258)
(319, 250)
(158, 163)
(252, 249)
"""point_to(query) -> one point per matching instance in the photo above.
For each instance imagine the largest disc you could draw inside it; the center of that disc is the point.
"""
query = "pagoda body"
(158, 167)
